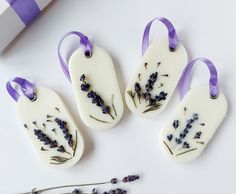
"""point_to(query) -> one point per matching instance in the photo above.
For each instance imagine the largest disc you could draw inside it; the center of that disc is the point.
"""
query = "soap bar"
(193, 124)
(96, 88)
(156, 78)
(51, 129)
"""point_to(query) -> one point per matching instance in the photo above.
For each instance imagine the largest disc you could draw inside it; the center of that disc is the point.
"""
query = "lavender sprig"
(96, 99)
(47, 141)
(112, 181)
(188, 126)
(63, 126)
(151, 81)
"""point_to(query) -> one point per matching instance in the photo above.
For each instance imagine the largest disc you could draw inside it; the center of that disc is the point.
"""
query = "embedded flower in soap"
(47, 141)
(146, 91)
(184, 138)
(63, 127)
(50, 140)
(97, 100)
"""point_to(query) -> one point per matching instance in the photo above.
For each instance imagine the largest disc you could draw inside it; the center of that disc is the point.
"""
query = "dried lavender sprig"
(116, 191)
(130, 178)
(63, 126)
(47, 141)
(188, 126)
(96, 99)
(127, 179)
(151, 81)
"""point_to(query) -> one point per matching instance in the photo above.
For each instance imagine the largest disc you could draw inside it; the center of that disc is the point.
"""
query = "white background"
(206, 28)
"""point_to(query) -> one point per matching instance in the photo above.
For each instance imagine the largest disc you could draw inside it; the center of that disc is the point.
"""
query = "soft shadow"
(122, 85)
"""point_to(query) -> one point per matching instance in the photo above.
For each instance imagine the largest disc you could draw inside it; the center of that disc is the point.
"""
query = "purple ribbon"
(27, 88)
(85, 44)
(27, 10)
(173, 38)
(184, 83)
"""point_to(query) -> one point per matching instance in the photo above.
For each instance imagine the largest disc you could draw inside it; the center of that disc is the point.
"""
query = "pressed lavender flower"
(47, 141)
(94, 191)
(186, 145)
(195, 116)
(63, 126)
(130, 178)
(186, 129)
(170, 137)
(176, 124)
(76, 191)
(162, 96)
(146, 96)
(138, 90)
(85, 86)
(152, 102)
(151, 81)
(82, 78)
(178, 140)
(96, 99)
(198, 135)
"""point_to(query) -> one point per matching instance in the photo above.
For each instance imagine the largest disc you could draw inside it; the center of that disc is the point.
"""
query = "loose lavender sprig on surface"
(96, 99)
(112, 181)
(47, 141)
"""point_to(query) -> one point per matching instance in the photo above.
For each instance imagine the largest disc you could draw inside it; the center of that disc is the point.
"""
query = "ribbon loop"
(184, 83)
(27, 88)
(172, 36)
(85, 44)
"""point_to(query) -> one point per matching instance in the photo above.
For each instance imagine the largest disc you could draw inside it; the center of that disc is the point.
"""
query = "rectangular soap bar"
(10, 23)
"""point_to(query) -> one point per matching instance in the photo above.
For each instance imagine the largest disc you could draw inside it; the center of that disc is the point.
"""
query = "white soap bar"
(10, 23)
(167, 66)
(193, 124)
(101, 75)
(41, 114)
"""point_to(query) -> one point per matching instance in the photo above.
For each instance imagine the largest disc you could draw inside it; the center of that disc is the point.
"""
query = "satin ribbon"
(27, 10)
(27, 88)
(184, 83)
(172, 36)
(85, 44)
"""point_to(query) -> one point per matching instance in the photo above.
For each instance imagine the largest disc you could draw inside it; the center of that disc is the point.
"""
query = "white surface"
(157, 58)
(210, 113)
(49, 103)
(11, 24)
(206, 28)
(100, 74)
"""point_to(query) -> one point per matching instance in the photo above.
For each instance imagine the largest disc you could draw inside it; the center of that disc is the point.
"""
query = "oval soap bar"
(156, 78)
(193, 124)
(50, 127)
(96, 88)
